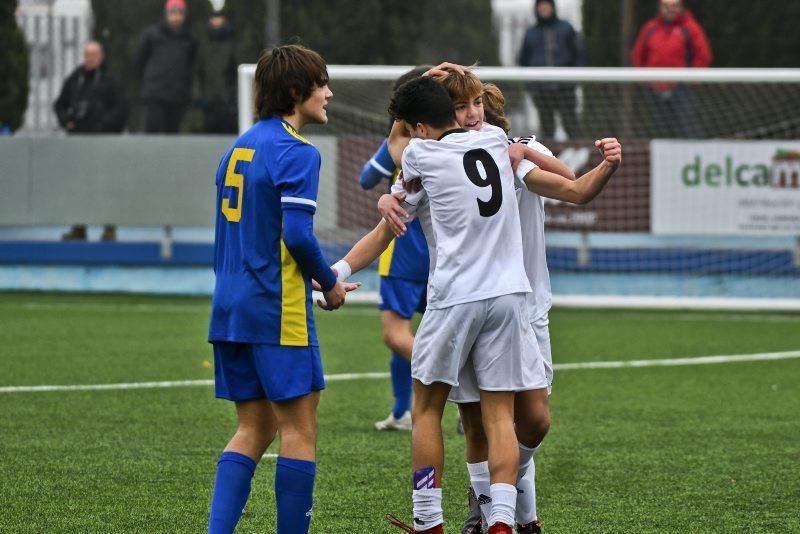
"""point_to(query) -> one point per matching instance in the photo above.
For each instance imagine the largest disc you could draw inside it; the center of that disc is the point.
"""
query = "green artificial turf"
(706, 448)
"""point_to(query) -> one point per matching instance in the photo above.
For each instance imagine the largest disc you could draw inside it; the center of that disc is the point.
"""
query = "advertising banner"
(623, 206)
(725, 187)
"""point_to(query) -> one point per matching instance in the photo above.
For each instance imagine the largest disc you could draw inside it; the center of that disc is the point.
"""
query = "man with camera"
(90, 99)
(91, 102)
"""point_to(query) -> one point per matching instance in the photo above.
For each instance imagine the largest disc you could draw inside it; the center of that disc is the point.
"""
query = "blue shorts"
(404, 297)
(245, 371)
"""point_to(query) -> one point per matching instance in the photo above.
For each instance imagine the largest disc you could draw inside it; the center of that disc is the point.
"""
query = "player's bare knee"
(532, 430)
(254, 438)
(390, 340)
(299, 433)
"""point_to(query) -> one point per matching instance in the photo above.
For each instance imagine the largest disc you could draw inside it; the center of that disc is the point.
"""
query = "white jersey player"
(552, 180)
(476, 323)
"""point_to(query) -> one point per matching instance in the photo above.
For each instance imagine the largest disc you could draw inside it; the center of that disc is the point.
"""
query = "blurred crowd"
(174, 73)
(673, 38)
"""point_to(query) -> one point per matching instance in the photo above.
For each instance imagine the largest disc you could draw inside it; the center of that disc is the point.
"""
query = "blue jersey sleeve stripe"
(380, 168)
(298, 200)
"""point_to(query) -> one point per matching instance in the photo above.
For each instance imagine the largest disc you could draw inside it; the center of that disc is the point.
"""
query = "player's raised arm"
(398, 141)
(379, 167)
(585, 188)
(548, 163)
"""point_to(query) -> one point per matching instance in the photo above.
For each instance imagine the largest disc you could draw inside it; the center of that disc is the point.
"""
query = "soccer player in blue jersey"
(266, 354)
(403, 269)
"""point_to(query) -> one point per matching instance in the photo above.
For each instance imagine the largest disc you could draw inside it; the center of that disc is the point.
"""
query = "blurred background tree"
(13, 69)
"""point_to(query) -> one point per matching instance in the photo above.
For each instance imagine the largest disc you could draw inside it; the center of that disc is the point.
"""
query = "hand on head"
(443, 69)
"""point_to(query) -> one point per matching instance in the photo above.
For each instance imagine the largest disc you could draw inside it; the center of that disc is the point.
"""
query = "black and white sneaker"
(474, 522)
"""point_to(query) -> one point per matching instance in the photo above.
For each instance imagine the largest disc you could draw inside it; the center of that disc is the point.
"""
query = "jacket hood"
(223, 32)
(539, 19)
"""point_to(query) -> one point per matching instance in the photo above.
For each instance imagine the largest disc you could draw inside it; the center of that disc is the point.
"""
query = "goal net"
(704, 211)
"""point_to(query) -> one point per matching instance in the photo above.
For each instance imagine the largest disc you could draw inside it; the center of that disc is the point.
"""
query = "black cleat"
(534, 527)
(474, 522)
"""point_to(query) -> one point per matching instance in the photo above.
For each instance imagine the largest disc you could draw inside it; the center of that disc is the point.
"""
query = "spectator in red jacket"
(672, 39)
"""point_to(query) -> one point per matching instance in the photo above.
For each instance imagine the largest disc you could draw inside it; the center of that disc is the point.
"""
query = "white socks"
(427, 508)
(479, 479)
(526, 486)
(504, 500)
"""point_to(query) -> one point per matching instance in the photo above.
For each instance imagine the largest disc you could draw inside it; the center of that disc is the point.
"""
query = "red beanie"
(175, 4)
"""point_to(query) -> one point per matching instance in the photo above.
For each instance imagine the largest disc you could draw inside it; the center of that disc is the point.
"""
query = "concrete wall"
(125, 180)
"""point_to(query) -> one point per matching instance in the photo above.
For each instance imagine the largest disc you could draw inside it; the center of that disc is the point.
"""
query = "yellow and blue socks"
(294, 493)
(401, 385)
(231, 489)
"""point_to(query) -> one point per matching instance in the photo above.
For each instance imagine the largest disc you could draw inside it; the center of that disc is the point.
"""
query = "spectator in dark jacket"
(165, 60)
(217, 74)
(672, 39)
(553, 42)
(91, 102)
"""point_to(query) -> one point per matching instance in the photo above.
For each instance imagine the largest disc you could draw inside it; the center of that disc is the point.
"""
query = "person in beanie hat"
(553, 42)
(165, 62)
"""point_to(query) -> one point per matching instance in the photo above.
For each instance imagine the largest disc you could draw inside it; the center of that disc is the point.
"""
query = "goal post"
(704, 212)
(389, 73)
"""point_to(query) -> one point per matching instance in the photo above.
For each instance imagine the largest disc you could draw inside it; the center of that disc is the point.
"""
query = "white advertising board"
(725, 187)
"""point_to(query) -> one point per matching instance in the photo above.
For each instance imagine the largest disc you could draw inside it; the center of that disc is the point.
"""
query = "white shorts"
(539, 368)
(541, 328)
(487, 345)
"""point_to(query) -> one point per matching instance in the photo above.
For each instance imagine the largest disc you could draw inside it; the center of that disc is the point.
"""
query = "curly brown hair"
(494, 104)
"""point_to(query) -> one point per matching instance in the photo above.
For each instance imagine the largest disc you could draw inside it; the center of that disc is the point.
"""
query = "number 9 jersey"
(261, 295)
(469, 214)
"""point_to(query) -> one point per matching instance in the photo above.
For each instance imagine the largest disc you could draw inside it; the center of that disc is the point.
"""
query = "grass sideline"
(708, 448)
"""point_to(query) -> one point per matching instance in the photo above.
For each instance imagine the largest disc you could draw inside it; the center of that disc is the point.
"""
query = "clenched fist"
(611, 149)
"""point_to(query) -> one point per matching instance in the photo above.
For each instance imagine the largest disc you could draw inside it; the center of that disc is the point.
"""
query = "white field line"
(148, 308)
(670, 362)
(754, 317)
(345, 377)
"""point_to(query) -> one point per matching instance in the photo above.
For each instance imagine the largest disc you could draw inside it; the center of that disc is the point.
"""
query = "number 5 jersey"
(261, 294)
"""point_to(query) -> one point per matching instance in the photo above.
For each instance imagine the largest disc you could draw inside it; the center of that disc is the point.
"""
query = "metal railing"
(55, 44)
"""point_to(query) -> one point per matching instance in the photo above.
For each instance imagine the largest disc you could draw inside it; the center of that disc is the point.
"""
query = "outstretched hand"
(334, 298)
(348, 286)
(611, 149)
